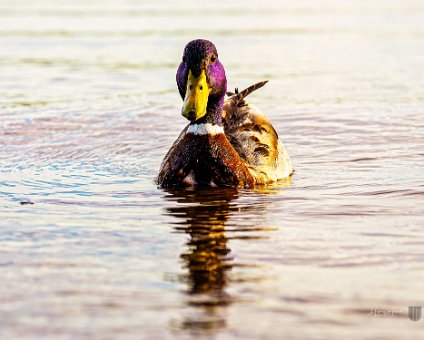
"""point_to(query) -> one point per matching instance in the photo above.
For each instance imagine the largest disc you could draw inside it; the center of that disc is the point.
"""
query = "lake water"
(88, 108)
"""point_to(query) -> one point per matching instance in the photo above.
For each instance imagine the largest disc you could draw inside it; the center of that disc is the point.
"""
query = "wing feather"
(255, 139)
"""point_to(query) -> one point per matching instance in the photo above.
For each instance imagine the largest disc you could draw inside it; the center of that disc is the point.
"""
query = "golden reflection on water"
(206, 257)
(202, 214)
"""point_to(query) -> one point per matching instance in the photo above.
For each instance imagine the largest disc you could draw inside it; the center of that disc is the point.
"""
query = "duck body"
(228, 142)
(202, 155)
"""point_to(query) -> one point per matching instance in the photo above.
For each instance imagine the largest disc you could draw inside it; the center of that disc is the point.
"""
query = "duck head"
(201, 82)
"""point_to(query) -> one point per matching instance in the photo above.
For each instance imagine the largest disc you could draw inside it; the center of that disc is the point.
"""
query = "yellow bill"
(196, 98)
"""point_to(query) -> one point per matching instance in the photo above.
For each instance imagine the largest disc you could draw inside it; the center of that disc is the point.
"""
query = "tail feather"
(239, 96)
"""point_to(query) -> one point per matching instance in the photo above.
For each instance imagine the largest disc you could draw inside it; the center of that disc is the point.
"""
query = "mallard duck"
(227, 142)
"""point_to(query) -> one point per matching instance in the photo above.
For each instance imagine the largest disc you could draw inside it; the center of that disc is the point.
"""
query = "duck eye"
(213, 59)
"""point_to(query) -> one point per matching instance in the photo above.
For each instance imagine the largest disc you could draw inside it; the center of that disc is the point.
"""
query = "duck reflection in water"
(203, 213)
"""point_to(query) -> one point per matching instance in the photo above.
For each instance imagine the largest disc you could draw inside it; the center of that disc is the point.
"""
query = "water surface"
(91, 248)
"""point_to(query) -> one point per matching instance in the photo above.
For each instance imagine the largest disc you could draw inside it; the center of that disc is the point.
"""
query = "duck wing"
(254, 138)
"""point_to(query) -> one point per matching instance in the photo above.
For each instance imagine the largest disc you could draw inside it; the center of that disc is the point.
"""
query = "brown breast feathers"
(208, 159)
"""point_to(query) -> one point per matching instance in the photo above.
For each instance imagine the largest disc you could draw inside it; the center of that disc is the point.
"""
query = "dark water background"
(88, 108)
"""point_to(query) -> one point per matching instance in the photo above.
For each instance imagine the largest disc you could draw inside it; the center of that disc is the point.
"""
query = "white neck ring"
(205, 129)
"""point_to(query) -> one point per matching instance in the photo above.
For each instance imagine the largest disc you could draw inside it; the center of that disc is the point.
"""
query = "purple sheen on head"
(217, 79)
(201, 55)
(181, 78)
